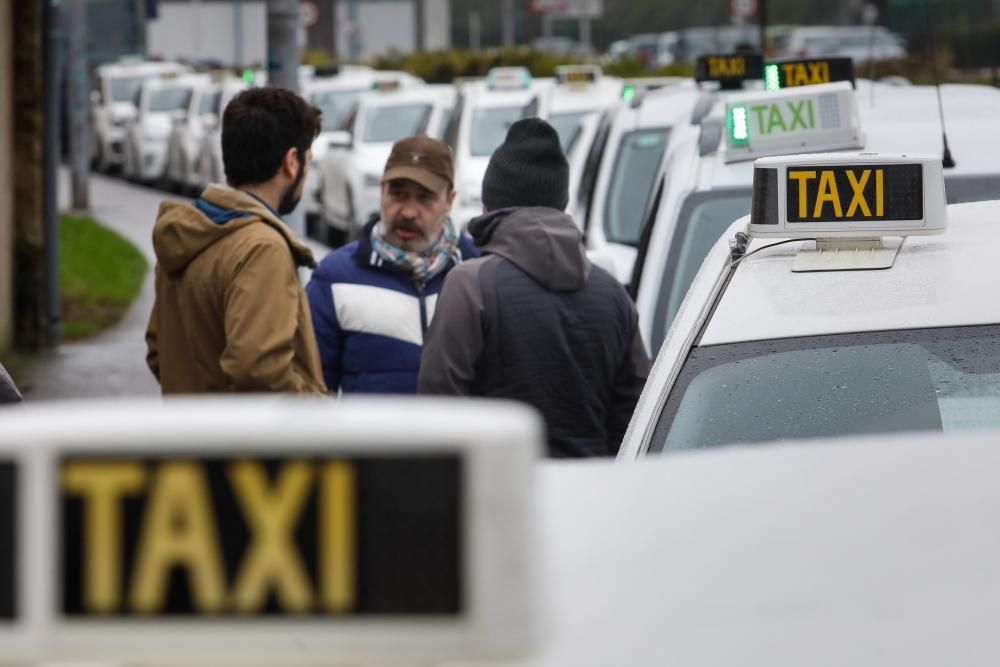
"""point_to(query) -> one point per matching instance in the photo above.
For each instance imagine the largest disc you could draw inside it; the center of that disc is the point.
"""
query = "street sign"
(569, 9)
(742, 9)
(308, 13)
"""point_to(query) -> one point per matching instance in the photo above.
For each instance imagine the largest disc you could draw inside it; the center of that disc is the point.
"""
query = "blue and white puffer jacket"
(370, 318)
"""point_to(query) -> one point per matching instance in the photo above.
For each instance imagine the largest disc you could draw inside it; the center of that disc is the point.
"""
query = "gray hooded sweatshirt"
(532, 320)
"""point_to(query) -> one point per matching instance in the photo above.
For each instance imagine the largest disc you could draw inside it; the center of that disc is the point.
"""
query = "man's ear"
(290, 164)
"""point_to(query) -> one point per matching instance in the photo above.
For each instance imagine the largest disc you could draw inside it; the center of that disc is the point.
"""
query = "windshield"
(335, 105)
(568, 125)
(169, 99)
(125, 88)
(209, 102)
(489, 128)
(824, 386)
(632, 182)
(704, 217)
(387, 124)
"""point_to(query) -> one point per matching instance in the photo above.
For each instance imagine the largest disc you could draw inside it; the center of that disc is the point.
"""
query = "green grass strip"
(100, 275)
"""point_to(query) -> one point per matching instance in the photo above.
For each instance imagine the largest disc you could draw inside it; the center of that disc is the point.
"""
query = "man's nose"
(409, 209)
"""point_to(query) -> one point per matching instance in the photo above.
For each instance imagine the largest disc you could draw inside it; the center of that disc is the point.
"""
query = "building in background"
(234, 32)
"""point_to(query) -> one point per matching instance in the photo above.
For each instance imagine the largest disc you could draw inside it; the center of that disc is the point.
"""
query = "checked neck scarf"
(422, 266)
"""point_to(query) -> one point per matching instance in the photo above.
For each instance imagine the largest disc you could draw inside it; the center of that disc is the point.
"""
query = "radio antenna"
(946, 160)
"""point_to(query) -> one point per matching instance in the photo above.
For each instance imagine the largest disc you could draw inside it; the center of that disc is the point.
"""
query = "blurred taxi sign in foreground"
(797, 120)
(268, 531)
(849, 203)
(807, 72)
(729, 70)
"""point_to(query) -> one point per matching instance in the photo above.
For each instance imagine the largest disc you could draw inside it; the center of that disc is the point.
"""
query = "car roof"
(597, 96)
(936, 281)
(762, 555)
(481, 96)
(435, 93)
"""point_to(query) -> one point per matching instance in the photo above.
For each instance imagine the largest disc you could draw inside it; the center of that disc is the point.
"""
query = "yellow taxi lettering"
(858, 189)
(337, 532)
(819, 72)
(803, 177)
(790, 72)
(272, 558)
(177, 531)
(102, 486)
(828, 193)
(879, 193)
(722, 68)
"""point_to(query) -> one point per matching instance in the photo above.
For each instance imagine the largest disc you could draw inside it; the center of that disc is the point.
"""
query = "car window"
(704, 217)
(826, 386)
(960, 189)
(568, 125)
(635, 170)
(209, 102)
(489, 128)
(390, 123)
(592, 164)
(335, 105)
(169, 99)
(125, 88)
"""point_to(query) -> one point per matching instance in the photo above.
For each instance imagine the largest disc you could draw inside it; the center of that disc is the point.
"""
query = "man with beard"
(373, 299)
(230, 313)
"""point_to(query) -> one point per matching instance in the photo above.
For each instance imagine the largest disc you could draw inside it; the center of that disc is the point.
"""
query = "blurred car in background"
(187, 134)
(113, 105)
(350, 172)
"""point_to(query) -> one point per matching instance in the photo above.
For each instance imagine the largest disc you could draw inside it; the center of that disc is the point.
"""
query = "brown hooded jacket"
(230, 312)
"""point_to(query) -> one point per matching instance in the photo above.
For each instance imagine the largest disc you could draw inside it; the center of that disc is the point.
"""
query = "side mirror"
(178, 116)
(340, 139)
(209, 121)
(95, 98)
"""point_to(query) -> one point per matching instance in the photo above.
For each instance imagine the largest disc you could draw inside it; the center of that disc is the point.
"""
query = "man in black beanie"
(532, 319)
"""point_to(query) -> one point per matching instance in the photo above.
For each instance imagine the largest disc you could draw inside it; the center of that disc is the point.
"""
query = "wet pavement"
(112, 363)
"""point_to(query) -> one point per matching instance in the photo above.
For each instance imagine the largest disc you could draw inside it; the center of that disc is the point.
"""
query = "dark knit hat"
(527, 169)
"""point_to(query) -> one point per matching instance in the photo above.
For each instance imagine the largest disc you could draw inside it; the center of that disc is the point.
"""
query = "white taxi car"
(208, 163)
(337, 97)
(161, 103)
(704, 185)
(874, 312)
(483, 113)
(350, 172)
(187, 134)
(113, 105)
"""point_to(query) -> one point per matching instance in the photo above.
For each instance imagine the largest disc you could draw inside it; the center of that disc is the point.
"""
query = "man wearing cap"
(373, 299)
(532, 319)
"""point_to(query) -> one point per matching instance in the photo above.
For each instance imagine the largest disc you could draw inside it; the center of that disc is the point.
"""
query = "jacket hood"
(545, 243)
(183, 230)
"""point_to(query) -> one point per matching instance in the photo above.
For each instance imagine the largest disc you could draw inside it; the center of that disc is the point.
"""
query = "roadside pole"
(52, 67)
(283, 66)
(78, 102)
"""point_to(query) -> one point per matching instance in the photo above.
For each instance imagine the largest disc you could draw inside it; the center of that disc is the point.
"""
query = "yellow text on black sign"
(181, 530)
(805, 73)
(726, 67)
(863, 192)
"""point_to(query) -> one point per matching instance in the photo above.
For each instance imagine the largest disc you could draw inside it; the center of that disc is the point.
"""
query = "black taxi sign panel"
(577, 74)
(848, 196)
(729, 70)
(853, 193)
(224, 537)
(807, 72)
(8, 541)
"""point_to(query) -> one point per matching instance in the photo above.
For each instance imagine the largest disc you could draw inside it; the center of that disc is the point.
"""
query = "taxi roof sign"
(578, 74)
(252, 515)
(729, 70)
(508, 78)
(807, 72)
(797, 120)
(848, 203)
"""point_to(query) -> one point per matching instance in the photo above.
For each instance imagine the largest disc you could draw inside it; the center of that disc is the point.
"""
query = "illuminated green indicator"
(248, 77)
(628, 92)
(772, 78)
(739, 129)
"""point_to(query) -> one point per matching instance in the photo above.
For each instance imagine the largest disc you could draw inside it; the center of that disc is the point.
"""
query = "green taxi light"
(248, 77)
(772, 78)
(739, 127)
(628, 93)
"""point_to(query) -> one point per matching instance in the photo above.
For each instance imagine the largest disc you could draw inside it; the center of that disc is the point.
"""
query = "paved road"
(113, 362)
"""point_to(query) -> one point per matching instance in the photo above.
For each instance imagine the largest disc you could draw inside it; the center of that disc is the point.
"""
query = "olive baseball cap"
(423, 160)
